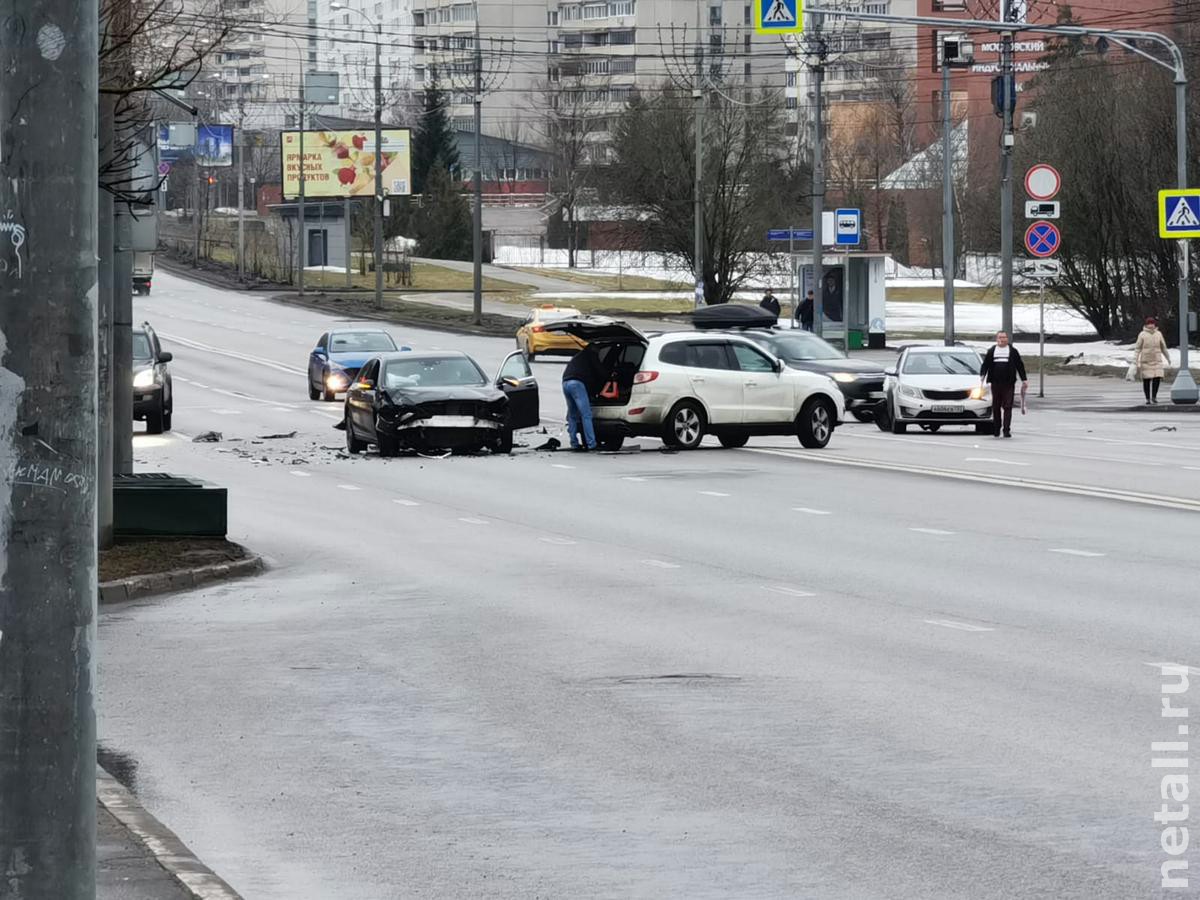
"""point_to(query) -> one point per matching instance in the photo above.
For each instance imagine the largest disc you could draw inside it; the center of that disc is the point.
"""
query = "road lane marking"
(349, 487)
(226, 412)
(660, 564)
(557, 541)
(300, 474)
(199, 385)
(239, 395)
(1191, 468)
(471, 520)
(960, 626)
(400, 502)
(632, 478)
(939, 531)
(1191, 670)
(244, 357)
(993, 459)
(713, 494)
(181, 435)
(789, 591)
(1052, 487)
(1069, 552)
(283, 408)
(810, 511)
(560, 466)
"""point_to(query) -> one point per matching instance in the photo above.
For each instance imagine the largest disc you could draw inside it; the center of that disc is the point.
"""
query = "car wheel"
(612, 444)
(166, 419)
(863, 415)
(529, 354)
(883, 416)
(388, 444)
(899, 427)
(504, 443)
(733, 441)
(154, 421)
(353, 444)
(313, 393)
(815, 424)
(684, 426)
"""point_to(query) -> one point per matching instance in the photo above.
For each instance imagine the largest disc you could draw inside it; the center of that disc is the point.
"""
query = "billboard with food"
(342, 163)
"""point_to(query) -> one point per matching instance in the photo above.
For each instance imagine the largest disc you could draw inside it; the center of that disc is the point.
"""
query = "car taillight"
(644, 377)
(637, 411)
(537, 329)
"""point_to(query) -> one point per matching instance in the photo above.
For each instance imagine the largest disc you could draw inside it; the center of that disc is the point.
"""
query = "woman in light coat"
(1148, 355)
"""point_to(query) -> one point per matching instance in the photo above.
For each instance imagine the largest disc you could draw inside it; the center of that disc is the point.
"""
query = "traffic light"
(212, 179)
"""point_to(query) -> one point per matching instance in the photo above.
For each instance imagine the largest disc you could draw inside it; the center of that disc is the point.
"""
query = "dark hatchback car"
(439, 401)
(153, 395)
(860, 381)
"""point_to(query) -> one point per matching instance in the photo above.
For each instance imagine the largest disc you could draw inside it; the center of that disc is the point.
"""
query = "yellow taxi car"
(533, 338)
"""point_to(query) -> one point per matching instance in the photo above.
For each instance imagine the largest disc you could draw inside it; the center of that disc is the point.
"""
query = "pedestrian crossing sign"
(1179, 213)
(778, 16)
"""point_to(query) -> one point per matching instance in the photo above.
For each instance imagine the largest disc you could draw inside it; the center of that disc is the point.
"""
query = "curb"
(177, 580)
(161, 842)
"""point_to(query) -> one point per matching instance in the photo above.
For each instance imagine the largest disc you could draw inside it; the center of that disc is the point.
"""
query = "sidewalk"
(139, 858)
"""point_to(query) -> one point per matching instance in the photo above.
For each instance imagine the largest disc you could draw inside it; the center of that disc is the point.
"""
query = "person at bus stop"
(1148, 355)
(770, 303)
(583, 377)
(1001, 366)
(805, 312)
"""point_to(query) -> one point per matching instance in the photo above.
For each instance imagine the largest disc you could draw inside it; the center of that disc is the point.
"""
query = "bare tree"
(570, 127)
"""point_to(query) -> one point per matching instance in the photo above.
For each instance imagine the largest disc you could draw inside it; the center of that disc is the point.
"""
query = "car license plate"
(946, 408)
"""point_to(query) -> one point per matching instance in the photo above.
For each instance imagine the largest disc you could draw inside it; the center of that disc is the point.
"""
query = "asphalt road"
(902, 667)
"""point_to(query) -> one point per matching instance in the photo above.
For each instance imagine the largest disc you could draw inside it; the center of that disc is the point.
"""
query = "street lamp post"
(957, 51)
(378, 26)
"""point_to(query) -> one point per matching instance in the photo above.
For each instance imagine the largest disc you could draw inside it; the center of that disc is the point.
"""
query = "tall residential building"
(254, 75)
(346, 44)
(606, 48)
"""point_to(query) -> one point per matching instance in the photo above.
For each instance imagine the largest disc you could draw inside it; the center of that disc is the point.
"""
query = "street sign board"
(1041, 268)
(778, 16)
(1179, 213)
(792, 234)
(164, 168)
(1042, 182)
(1041, 209)
(1042, 239)
(849, 227)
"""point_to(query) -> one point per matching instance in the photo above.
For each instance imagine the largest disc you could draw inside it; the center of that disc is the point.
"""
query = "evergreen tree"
(443, 223)
(434, 141)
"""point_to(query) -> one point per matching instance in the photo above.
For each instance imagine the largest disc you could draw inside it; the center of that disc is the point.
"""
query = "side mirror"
(364, 385)
(777, 365)
(319, 351)
(890, 371)
(511, 382)
(165, 357)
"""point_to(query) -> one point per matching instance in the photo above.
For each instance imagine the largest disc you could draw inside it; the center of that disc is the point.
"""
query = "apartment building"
(346, 38)
(605, 48)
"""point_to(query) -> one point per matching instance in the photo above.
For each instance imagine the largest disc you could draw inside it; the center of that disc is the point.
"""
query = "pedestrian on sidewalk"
(770, 303)
(1148, 355)
(805, 312)
(1001, 366)
(583, 377)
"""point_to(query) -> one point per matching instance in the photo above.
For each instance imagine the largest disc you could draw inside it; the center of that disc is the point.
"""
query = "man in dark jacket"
(583, 377)
(1001, 367)
(805, 312)
(770, 304)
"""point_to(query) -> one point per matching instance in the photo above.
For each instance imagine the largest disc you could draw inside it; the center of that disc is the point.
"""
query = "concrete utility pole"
(241, 190)
(379, 166)
(1007, 139)
(48, 453)
(698, 180)
(477, 229)
(300, 206)
(947, 206)
(818, 179)
(104, 343)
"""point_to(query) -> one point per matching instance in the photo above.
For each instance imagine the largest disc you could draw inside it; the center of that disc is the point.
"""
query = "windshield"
(949, 363)
(557, 315)
(801, 348)
(141, 346)
(361, 342)
(437, 372)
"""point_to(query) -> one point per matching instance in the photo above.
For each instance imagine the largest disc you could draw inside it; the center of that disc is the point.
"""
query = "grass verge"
(604, 281)
(149, 556)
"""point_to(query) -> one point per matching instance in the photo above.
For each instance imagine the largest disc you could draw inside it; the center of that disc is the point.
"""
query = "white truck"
(143, 272)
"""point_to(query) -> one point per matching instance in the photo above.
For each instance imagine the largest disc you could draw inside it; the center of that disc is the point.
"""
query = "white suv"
(681, 386)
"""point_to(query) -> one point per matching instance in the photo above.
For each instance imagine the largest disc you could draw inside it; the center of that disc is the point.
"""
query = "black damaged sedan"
(438, 401)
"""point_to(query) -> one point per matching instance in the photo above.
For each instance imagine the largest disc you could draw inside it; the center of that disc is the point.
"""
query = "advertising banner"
(208, 145)
(342, 163)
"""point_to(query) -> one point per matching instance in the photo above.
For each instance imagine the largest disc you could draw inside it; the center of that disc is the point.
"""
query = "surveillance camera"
(1028, 120)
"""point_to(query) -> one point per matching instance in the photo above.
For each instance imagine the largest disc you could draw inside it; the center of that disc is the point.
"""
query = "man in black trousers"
(1001, 366)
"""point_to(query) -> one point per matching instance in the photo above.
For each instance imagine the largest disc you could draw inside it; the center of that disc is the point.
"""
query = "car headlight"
(844, 377)
(337, 380)
(909, 391)
(979, 393)
(144, 379)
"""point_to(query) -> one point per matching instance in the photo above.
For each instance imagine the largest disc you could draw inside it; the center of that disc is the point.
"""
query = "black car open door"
(516, 379)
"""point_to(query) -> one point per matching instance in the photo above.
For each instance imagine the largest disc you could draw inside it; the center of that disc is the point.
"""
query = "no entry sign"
(1042, 182)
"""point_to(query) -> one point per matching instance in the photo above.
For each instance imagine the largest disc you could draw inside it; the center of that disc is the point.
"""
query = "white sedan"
(935, 386)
